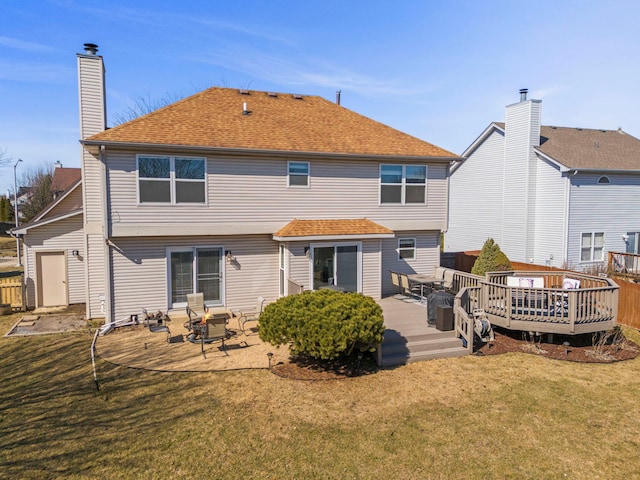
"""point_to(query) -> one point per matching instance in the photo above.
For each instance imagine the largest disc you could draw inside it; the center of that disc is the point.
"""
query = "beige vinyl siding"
(427, 257)
(371, 264)
(65, 236)
(244, 189)
(91, 95)
(96, 276)
(72, 201)
(299, 264)
(140, 271)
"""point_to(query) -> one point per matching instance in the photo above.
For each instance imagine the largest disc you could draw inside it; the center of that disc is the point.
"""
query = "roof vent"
(297, 96)
(272, 94)
(523, 94)
(243, 92)
(91, 48)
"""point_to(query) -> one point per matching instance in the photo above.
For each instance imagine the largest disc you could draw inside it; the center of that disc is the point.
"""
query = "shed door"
(52, 279)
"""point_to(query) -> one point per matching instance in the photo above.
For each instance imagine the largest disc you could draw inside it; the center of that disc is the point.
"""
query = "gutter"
(262, 152)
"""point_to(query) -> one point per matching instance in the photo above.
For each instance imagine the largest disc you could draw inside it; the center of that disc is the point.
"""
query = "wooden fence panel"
(628, 303)
(11, 290)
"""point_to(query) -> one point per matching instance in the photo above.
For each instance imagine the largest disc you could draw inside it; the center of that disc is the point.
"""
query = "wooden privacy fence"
(12, 290)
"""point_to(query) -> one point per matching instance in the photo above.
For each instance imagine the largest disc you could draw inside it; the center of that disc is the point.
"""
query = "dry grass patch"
(7, 246)
(507, 416)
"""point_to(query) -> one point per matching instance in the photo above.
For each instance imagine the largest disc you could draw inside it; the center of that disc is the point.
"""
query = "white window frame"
(591, 247)
(405, 249)
(357, 244)
(172, 179)
(403, 184)
(291, 174)
(194, 249)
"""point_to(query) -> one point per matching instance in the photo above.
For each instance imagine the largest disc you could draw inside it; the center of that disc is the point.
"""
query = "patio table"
(425, 281)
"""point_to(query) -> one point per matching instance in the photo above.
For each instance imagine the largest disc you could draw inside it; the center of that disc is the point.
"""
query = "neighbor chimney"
(58, 164)
(523, 94)
(338, 97)
(93, 110)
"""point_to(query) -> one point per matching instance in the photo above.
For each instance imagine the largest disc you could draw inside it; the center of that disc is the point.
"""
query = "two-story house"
(240, 194)
(548, 195)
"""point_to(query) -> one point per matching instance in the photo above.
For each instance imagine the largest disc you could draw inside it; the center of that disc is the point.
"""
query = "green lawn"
(510, 416)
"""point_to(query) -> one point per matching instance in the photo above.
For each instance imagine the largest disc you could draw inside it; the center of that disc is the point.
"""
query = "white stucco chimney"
(91, 91)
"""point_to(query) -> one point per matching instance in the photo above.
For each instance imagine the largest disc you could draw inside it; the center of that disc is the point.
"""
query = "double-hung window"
(403, 184)
(406, 249)
(298, 173)
(592, 247)
(173, 180)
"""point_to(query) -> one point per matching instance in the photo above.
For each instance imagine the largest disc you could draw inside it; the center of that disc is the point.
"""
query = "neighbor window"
(403, 184)
(406, 249)
(592, 247)
(175, 180)
(298, 174)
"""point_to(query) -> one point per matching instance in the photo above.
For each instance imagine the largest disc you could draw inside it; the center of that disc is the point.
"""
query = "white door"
(51, 269)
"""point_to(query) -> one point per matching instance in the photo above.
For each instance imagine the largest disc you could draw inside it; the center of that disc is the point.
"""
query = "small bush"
(491, 259)
(323, 324)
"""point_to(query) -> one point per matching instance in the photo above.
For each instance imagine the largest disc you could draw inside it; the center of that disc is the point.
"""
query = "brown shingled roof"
(63, 178)
(589, 149)
(583, 148)
(317, 228)
(214, 118)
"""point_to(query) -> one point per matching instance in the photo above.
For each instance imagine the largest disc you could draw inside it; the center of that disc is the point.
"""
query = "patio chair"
(157, 326)
(196, 309)
(395, 280)
(407, 288)
(250, 315)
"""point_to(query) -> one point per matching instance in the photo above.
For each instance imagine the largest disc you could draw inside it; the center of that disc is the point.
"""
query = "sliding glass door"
(336, 266)
(193, 270)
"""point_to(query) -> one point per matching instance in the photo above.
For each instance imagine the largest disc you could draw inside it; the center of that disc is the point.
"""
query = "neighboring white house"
(240, 194)
(547, 195)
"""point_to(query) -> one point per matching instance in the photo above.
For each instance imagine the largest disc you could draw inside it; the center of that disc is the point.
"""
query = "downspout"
(105, 236)
(567, 203)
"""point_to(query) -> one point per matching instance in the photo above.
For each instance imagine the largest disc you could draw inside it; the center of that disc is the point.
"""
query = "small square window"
(298, 173)
(406, 249)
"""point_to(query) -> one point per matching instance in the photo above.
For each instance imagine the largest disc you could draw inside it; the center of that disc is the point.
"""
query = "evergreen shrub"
(323, 324)
(491, 259)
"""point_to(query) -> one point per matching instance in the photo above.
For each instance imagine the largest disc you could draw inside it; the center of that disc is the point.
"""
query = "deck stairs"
(408, 337)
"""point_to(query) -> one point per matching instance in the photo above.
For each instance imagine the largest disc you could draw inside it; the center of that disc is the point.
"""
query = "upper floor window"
(298, 173)
(175, 180)
(406, 249)
(403, 184)
(592, 247)
(603, 180)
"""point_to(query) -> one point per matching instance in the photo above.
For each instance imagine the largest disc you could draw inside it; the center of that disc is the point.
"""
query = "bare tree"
(4, 158)
(142, 104)
(36, 181)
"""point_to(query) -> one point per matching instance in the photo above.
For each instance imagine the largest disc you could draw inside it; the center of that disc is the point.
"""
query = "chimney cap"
(523, 94)
(91, 48)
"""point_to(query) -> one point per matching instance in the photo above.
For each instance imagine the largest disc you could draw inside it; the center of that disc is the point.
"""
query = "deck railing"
(293, 287)
(551, 309)
(465, 302)
(624, 264)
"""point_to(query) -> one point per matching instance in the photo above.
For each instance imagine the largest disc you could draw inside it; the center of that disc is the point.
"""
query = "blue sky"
(438, 70)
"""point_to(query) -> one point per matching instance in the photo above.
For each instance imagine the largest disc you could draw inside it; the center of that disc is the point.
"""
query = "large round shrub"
(323, 324)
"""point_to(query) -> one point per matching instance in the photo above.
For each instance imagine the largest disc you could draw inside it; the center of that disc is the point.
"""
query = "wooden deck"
(408, 337)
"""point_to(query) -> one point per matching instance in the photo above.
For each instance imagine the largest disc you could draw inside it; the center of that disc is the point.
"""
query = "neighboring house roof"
(214, 118)
(589, 149)
(317, 229)
(63, 178)
(71, 207)
(23, 229)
